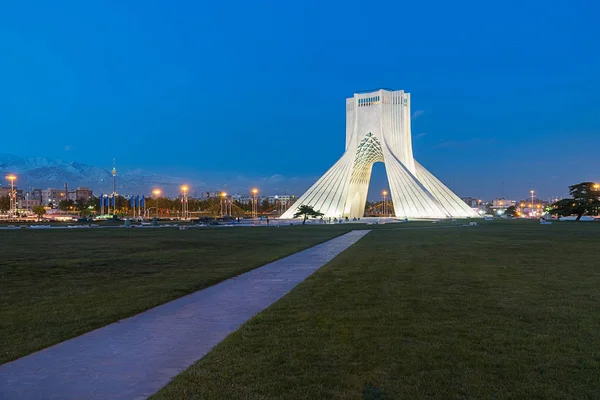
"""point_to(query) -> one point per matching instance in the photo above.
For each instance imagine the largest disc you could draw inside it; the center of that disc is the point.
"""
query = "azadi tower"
(378, 130)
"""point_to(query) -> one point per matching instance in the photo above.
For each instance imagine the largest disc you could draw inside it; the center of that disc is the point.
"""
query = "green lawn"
(57, 284)
(503, 311)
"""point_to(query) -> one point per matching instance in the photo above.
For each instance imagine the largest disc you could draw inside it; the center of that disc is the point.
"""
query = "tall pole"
(385, 203)
(156, 193)
(597, 188)
(254, 203)
(223, 200)
(184, 202)
(532, 205)
(12, 197)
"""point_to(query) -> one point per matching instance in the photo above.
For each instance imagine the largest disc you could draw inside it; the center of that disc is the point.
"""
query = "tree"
(585, 199)
(66, 205)
(4, 203)
(511, 211)
(81, 204)
(121, 204)
(265, 205)
(95, 202)
(307, 211)
(563, 208)
(39, 211)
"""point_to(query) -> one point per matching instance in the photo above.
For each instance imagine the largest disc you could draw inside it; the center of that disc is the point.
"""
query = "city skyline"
(239, 185)
(275, 184)
(497, 111)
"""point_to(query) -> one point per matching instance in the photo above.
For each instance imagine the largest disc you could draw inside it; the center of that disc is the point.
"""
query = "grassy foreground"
(503, 311)
(57, 284)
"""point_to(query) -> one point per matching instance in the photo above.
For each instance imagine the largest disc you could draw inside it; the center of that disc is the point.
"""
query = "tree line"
(165, 205)
(85, 207)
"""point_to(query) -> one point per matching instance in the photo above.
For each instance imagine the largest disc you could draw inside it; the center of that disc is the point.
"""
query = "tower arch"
(378, 130)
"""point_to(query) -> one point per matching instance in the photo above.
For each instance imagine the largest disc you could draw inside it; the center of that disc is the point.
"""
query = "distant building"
(500, 205)
(210, 195)
(28, 203)
(36, 194)
(244, 199)
(5, 191)
(279, 198)
(80, 193)
(471, 201)
(51, 196)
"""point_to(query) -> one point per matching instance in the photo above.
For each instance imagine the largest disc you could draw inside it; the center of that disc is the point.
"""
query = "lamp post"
(223, 202)
(156, 193)
(184, 202)
(532, 204)
(13, 199)
(254, 203)
(596, 187)
(384, 202)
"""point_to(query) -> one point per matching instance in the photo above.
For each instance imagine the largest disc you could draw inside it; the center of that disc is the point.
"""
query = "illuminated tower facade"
(378, 130)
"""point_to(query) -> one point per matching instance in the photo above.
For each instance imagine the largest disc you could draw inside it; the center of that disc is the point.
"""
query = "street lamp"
(384, 202)
(596, 187)
(13, 199)
(254, 203)
(184, 202)
(223, 200)
(156, 193)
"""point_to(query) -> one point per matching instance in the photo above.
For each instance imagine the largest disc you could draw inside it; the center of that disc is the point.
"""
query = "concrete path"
(135, 357)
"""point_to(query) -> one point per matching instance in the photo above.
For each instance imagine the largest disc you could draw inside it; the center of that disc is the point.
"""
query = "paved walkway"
(135, 357)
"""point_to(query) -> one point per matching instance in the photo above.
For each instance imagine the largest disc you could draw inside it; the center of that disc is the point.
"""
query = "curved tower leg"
(451, 203)
(328, 194)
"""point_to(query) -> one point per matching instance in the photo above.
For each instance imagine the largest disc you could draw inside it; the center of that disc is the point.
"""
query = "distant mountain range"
(37, 172)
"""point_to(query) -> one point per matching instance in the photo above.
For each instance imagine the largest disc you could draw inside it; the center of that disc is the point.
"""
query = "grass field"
(57, 284)
(503, 311)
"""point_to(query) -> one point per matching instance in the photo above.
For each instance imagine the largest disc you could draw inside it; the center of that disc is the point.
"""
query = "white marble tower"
(378, 130)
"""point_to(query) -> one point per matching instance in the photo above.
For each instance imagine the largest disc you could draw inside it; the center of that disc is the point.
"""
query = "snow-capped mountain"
(37, 172)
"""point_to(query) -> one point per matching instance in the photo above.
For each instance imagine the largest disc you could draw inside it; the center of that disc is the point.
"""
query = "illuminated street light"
(156, 193)
(223, 200)
(254, 203)
(184, 202)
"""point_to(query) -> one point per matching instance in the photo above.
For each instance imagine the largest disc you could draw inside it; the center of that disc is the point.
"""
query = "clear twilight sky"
(505, 95)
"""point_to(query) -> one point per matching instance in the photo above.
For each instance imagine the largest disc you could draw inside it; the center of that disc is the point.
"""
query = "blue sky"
(504, 94)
